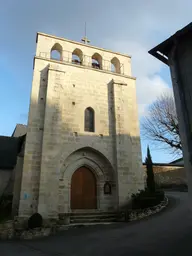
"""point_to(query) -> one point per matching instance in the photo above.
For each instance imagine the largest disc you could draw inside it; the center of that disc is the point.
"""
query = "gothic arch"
(99, 165)
(86, 162)
(56, 52)
(89, 157)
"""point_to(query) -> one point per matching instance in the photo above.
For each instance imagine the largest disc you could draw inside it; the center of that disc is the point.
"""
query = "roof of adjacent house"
(20, 130)
(177, 161)
(162, 50)
(166, 164)
(10, 147)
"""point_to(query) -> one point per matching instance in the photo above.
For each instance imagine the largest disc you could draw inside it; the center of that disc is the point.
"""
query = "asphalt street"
(166, 233)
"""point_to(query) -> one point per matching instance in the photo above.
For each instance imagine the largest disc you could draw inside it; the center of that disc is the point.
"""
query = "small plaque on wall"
(107, 188)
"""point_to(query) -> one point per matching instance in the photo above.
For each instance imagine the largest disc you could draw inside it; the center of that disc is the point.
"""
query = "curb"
(85, 224)
(144, 213)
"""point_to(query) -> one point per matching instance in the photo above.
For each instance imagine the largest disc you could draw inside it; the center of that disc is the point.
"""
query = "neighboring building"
(169, 174)
(179, 161)
(10, 147)
(82, 149)
(176, 52)
(19, 130)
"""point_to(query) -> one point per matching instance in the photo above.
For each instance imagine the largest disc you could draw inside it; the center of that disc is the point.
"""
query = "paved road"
(167, 233)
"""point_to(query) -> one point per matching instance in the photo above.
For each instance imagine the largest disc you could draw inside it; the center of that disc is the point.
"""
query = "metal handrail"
(68, 59)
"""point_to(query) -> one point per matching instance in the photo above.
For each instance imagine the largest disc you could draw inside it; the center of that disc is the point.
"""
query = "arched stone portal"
(98, 170)
(83, 189)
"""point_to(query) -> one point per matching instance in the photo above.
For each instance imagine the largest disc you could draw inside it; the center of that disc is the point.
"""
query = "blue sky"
(131, 27)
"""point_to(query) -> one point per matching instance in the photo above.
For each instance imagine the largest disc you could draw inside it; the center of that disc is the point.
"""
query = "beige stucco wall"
(60, 94)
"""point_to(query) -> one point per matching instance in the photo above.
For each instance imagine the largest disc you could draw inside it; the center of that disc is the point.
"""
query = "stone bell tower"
(82, 147)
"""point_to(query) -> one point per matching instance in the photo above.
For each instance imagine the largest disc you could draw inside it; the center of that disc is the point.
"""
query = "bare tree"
(160, 125)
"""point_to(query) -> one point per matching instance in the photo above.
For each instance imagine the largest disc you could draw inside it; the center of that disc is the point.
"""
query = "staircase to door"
(92, 217)
(88, 217)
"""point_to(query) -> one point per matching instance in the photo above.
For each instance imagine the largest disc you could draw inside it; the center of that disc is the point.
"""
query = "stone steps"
(93, 217)
(98, 213)
(92, 220)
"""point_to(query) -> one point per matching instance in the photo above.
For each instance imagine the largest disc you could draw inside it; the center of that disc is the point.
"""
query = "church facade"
(82, 148)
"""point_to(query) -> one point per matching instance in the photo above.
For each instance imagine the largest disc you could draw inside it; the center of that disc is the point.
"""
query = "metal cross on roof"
(85, 39)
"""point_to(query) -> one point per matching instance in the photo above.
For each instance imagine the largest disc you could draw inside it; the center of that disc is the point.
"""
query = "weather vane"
(85, 39)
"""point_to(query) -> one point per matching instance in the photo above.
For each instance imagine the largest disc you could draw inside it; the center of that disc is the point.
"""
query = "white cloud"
(148, 89)
(149, 83)
(147, 25)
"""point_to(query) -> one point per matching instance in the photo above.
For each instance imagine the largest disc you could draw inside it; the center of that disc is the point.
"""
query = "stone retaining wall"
(7, 230)
(143, 213)
(168, 174)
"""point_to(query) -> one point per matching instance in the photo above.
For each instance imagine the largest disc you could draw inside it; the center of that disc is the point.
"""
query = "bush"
(146, 198)
(5, 207)
(35, 221)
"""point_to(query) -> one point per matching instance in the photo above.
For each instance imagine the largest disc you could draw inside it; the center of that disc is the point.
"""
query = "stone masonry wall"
(60, 94)
(169, 175)
(32, 158)
(5, 176)
(17, 185)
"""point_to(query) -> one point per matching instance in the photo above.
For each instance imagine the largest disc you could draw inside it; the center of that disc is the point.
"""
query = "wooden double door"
(83, 189)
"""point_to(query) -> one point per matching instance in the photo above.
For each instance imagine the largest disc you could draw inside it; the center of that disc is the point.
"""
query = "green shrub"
(35, 221)
(5, 207)
(150, 175)
(146, 198)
